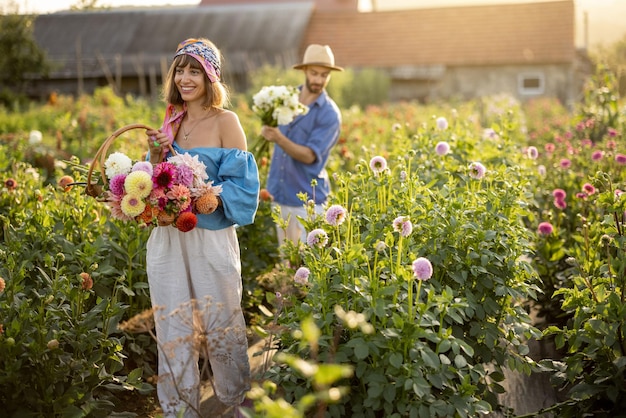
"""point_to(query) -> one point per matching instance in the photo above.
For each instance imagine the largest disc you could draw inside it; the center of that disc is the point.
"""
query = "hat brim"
(318, 64)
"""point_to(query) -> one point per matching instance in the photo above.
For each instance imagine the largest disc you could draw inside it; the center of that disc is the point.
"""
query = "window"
(529, 84)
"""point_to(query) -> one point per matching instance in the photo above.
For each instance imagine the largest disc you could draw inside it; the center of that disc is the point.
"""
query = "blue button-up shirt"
(318, 130)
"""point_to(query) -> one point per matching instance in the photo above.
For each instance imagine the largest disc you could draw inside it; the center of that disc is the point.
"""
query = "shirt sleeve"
(325, 134)
(238, 175)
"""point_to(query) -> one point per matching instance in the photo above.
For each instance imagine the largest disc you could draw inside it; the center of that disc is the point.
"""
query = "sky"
(605, 18)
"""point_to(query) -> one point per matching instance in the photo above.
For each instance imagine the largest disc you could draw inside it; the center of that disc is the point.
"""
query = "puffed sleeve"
(238, 175)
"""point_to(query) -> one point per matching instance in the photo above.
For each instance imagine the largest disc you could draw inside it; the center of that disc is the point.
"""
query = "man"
(302, 147)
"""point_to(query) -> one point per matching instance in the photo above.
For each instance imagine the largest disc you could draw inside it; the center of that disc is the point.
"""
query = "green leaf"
(444, 346)
(395, 359)
(431, 359)
(460, 361)
(361, 351)
(328, 374)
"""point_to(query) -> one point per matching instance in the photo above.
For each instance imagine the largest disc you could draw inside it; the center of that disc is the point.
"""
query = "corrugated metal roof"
(245, 34)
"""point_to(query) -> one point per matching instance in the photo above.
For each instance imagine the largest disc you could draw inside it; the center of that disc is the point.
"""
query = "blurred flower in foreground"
(442, 123)
(86, 281)
(378, 164)
(354, 320)
(10, 184)
(559, 194)
(442, 148)
(381, 246)
(422, 269)
(317, 238)
(302, 275)
(142, 322)
(335, 215)
(477, 171)
(34, 137)
(64, 183)
(545, 228)
(597, 155)
(403, 225)
(589, 189)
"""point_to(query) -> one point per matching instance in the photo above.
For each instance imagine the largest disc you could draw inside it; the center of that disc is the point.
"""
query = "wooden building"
(525, 50)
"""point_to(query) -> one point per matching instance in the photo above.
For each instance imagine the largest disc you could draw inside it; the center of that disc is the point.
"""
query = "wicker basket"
(94, 189)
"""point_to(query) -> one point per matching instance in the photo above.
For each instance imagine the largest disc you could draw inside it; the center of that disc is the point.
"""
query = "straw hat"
(320, 55)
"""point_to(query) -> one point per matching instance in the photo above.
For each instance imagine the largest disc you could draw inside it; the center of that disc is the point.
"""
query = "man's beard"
(314, 88)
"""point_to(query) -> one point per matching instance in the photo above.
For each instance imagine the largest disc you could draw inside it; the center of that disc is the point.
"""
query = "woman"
(195, 276)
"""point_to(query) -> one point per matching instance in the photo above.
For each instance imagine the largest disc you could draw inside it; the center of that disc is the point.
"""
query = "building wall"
(557, 80)
(326, 5)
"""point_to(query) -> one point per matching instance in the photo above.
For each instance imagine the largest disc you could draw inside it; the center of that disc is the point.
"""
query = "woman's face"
(190, 83)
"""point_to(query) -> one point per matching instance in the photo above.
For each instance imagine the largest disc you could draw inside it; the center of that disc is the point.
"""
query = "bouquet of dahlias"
(275, 105)
(170, 193)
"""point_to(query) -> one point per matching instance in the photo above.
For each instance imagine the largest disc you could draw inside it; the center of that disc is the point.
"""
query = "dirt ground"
(147, 406)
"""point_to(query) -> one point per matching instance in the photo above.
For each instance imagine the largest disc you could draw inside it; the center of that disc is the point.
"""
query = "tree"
(21, 59)
(86, 5)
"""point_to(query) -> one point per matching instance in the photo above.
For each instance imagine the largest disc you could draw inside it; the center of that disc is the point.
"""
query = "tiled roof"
(528, 33)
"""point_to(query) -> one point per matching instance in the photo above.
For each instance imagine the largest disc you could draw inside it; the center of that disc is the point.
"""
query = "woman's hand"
(157, 141)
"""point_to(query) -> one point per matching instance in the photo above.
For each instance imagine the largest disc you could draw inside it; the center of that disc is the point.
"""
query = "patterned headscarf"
(205, 55)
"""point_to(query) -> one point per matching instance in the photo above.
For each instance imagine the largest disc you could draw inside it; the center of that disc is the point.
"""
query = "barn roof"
(412, 43)
(146, 36)
(528, 33)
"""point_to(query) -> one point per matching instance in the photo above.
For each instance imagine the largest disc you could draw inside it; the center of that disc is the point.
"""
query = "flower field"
(455, 233)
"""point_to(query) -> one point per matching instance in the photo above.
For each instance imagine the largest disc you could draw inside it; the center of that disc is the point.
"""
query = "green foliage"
(21, 59)
(581, 264)
(434, 342)
(594, 340)
(613, 57)
(321, 376)
(347, 88)
(599, 112)
(60, 338)
(361, 88)
(414, 348)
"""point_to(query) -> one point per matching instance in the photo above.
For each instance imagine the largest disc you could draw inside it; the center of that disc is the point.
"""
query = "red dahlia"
(186, 221)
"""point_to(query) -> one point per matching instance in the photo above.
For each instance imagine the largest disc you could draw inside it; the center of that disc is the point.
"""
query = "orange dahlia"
(86, 281)
(265, 195)
(148, 215)
(186, 221)
(64, 181)
(207, 203)
(165, 219)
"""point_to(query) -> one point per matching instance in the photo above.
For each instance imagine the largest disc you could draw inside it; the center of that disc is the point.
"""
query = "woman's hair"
(216, 93)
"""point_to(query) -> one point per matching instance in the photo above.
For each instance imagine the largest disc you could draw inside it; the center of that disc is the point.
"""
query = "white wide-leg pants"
(196, 289)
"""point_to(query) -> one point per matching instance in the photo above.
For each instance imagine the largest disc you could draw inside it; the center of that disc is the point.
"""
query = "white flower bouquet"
(275, 105)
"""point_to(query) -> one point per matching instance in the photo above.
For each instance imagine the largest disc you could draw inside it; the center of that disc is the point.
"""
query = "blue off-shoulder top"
(237, 172)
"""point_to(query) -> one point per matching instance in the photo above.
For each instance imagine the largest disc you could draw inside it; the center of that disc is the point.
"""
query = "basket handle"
(101, 154)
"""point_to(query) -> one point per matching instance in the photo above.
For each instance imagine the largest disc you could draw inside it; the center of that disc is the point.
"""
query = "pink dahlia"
(422, 268)
(545, 228)
(335, 215)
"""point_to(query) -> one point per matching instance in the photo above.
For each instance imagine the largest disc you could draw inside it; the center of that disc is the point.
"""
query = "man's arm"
(298, 152)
